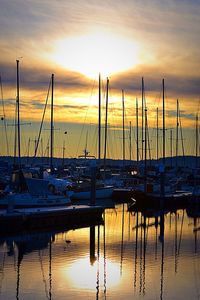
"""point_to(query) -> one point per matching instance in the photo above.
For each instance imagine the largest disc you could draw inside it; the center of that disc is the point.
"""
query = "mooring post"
(92, 245)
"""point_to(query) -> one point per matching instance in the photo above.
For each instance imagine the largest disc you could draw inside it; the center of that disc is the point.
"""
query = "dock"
(30, 219)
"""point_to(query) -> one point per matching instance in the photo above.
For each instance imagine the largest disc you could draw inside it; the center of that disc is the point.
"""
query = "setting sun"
(97, 52)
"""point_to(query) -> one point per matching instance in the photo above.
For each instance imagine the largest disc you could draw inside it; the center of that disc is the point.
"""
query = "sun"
(97, 52)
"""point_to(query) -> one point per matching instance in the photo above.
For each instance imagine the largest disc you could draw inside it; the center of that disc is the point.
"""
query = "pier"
(44, 218)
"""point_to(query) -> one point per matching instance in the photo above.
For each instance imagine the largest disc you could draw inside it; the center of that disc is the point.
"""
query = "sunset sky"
(76, 40)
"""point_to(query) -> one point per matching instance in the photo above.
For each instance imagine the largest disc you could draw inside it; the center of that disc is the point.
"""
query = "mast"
(162, 171)
(18, 116)
(145, 150)
(123, 137)
(177, 126)
(52, 126)
(142, 115)
(163, 86)
(137, 134)
(157, 133)
(106, 123)
(130, 144)
(99, 150)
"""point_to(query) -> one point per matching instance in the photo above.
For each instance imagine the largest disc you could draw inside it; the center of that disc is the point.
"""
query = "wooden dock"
(30, 219)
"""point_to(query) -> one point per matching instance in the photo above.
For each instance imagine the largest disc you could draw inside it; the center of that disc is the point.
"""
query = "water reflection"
(20, 246)
(175, 217)
(140, 254)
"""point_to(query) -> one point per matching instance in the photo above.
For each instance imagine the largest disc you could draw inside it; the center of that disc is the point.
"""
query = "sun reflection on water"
(83, 275)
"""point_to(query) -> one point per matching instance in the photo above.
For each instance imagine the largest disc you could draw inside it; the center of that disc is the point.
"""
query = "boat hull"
(177, 199)
(25, 200)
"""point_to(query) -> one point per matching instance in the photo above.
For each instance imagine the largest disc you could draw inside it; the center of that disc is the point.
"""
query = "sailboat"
(28, 188)
(82, 191)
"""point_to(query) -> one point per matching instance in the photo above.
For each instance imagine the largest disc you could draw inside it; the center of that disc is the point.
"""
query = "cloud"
(39, 77)
(176, 84)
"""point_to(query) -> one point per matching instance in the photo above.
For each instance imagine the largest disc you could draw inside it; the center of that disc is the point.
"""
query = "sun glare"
(78, 279)
(95, 53)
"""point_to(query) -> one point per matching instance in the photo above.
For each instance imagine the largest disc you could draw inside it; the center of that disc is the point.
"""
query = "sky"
(76, 40)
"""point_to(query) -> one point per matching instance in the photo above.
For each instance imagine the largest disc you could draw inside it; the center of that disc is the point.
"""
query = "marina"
(99, 150)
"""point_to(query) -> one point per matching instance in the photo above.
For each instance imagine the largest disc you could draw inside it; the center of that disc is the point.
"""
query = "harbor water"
(130, 255)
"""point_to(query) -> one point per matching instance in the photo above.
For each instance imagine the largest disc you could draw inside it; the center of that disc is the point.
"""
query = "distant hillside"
(188, 161)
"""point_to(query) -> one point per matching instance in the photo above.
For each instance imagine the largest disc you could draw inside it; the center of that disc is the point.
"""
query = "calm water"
(132, 256)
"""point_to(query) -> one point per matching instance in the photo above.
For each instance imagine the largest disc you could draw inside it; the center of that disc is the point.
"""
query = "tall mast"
(157, 132)
(52, 126)
(142, 116)
(106, 123)
(18, 117)
(163, 87)
(177, 126)
(137, 134)
(99, 144)
(123, 137)
(130, 144)
(145, 150)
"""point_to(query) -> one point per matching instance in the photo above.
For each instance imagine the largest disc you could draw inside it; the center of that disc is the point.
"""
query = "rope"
(40, 130)
(4, 117)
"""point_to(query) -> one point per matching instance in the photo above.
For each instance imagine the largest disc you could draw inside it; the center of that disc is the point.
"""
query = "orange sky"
(76, 40)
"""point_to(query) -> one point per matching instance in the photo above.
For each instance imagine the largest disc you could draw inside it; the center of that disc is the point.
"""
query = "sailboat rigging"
(3, 117)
